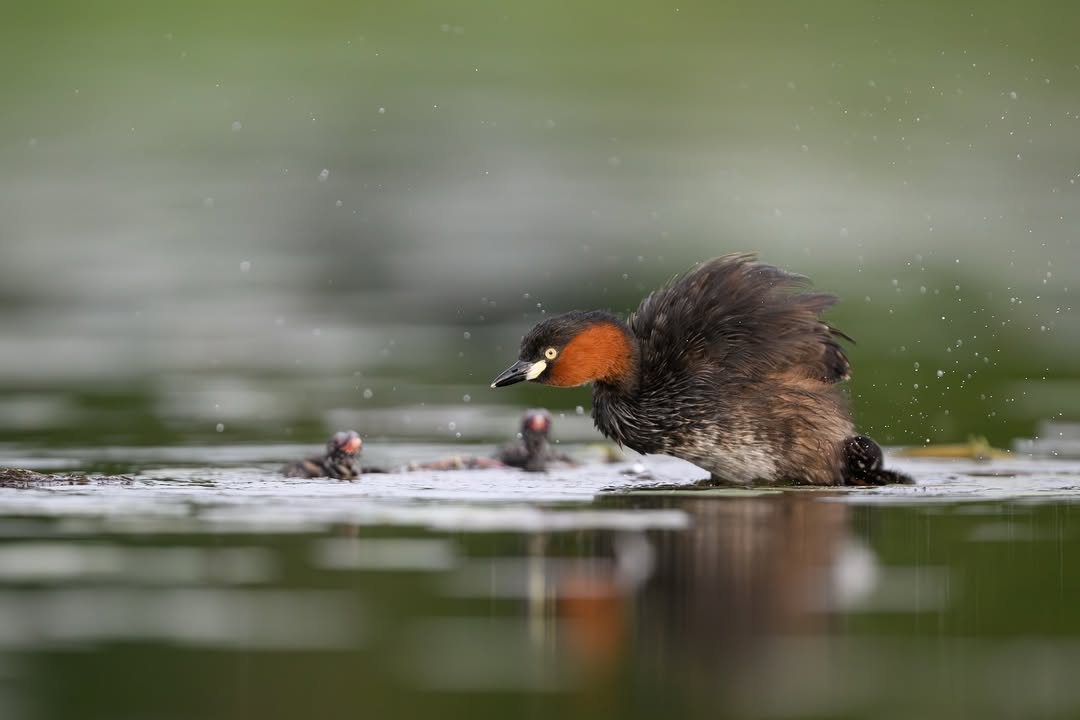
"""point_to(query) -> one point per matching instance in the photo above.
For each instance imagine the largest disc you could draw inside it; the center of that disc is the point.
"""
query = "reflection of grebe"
(728, 367)
(704, 615)
(747, 572)
(595, 604)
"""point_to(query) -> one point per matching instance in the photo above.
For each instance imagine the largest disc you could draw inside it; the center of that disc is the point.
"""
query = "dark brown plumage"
(339, 461)
(728, 366)
(530, 453)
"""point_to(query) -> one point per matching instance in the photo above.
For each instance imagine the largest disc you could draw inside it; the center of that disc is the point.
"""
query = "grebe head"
(536, 422)
(574, 349)
(344, 442)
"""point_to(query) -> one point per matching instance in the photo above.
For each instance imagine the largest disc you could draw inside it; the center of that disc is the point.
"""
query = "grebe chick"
(531, 453)
(339, 461)
(728, 367)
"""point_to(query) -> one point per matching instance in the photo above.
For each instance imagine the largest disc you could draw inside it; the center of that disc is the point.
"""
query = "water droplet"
(324, 175)
(220, 427)
(237, 126)
(368, 394)
(245, 266)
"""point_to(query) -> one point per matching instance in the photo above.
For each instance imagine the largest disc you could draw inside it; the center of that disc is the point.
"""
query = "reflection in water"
(56, 562)
(701, 609)
(37, 620)
(384, 554)
(795, 604)
(748, 569)
(746, 572)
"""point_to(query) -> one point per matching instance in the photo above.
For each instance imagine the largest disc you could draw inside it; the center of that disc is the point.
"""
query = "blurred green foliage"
(291, 197)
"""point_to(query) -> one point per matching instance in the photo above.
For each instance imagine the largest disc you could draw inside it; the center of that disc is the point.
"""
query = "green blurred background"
(263, 220)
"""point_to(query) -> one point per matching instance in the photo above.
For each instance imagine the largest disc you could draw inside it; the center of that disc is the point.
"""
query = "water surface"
(208, 586)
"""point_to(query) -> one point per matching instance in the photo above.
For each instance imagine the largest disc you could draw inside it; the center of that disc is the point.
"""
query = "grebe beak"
(521, 370)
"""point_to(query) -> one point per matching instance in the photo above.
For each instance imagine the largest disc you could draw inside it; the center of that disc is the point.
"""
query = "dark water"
(226, 592)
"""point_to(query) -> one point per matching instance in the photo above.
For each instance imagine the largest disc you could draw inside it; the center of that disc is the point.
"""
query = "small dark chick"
(531, 453)
(339, 461)
(728, 366)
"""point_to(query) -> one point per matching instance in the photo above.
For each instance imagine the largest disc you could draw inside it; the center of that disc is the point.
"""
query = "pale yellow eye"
(550, 353)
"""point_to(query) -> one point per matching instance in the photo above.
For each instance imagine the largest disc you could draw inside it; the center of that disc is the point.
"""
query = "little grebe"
(531, 453)
(339, 461)
(727, 366)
